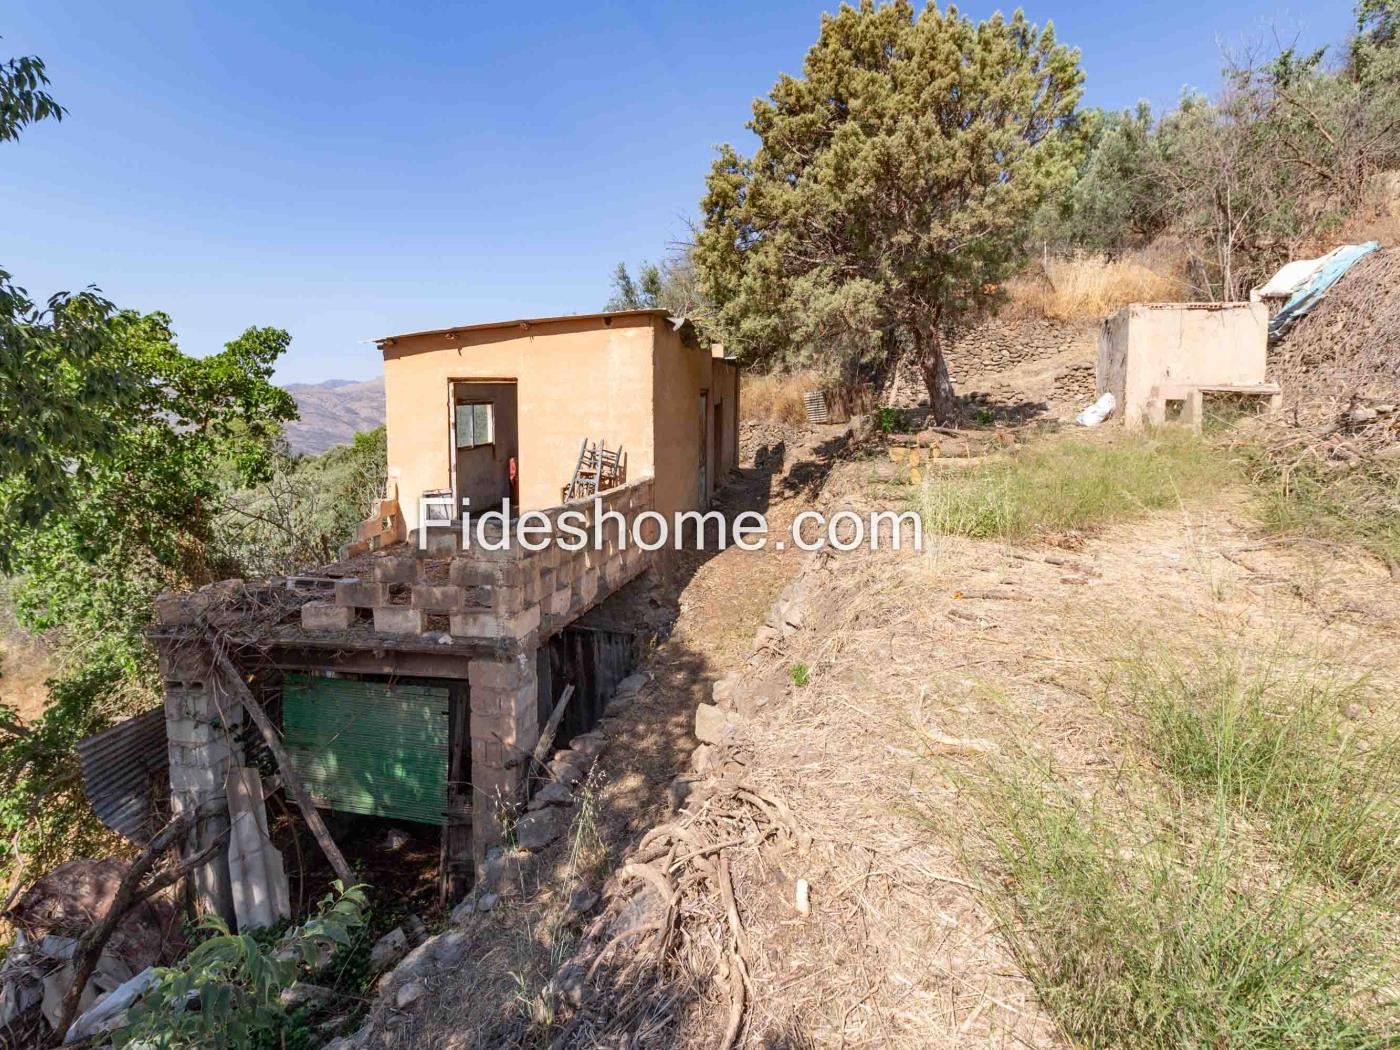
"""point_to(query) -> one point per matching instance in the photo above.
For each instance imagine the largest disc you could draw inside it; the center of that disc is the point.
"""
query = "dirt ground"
(914, 663)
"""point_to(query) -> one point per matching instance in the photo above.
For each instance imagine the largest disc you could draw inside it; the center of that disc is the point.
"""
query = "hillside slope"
(333, 412)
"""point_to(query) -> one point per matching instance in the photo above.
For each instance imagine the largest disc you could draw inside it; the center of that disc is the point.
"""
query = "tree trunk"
(942, 403)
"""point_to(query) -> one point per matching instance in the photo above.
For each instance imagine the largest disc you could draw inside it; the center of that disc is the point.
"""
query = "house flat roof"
(524, 322)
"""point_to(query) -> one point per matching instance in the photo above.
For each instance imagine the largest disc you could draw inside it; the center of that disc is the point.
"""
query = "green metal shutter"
(369, 747)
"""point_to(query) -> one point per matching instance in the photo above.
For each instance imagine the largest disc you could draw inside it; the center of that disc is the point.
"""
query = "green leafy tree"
(671, 285)
(130, 513)
(1114, 202)
(892, 187)
(23, 100)
(233, 981)
(305, 510)
(115, 448)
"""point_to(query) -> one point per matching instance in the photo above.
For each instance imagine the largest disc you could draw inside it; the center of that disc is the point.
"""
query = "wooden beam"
(290, 780)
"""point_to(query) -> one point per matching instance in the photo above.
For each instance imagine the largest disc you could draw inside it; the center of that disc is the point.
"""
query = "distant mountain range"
(333, 412)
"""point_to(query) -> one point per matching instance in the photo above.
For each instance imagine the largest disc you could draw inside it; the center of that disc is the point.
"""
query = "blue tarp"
(1310, 294)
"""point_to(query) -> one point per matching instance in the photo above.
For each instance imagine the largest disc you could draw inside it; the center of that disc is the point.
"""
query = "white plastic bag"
(1097, 412)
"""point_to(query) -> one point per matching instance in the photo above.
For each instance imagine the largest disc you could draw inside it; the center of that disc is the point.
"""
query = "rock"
(722, 692)
(582, 900)
(409, 994)
(1362, 415)
(487, 901)
(553, 794)
(631, 685)
(448, 948)
(565, 772)
(396, 839)
(588, 745)
(1353, 712)
(301, 993)
(500, 873)
(618, 704)
(388, 950)
(713, 725)
(703, 760)
(538, 829)
(567, 985)
(678, 791)
(416, 930)
(466, 908)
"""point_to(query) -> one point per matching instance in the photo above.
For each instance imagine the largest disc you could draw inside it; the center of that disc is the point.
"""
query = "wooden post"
(284, 764)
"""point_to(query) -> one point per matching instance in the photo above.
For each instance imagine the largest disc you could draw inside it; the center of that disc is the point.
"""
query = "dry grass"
(1085, 287)
(1281, 743)
(777, 397)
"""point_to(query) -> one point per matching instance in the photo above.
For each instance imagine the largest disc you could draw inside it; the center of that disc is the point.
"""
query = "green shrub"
(1274, 743)
(1063, 484)
(1134, 937)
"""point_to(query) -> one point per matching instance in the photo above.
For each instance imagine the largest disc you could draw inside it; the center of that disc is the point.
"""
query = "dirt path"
(706, 608)
(917, 664)
(920, 665)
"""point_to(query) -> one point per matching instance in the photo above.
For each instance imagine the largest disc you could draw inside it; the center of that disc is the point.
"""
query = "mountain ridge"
(333, 412)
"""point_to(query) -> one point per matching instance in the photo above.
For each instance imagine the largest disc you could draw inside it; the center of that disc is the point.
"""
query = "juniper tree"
(891, 186)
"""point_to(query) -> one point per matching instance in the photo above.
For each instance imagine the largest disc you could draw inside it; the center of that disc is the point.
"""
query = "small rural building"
(417, 680)
(1154, 357)
(465, 405)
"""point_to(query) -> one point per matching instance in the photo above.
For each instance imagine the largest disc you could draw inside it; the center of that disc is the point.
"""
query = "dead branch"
(290, 780)
(131, 893)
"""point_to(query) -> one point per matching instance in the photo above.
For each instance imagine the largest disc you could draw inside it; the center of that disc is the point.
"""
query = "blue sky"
(349, 170)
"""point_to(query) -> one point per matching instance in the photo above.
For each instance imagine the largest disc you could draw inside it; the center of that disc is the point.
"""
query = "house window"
(476, 425)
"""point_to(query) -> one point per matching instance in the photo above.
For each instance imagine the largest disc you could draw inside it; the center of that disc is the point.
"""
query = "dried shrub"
(1084, 287)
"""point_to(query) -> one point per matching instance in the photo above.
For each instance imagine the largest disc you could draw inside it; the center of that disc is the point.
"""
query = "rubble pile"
(1339, 368)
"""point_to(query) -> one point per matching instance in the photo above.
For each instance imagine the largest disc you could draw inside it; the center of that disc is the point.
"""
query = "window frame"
(490, 407)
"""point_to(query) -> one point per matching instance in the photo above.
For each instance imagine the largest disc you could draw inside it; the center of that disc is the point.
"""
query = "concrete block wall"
(516, 595)
(202, 725)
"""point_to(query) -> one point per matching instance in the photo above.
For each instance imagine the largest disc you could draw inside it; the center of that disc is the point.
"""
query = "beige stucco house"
(486, 411)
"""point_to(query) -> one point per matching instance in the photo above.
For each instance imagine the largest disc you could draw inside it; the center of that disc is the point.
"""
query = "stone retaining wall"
(1031, 364)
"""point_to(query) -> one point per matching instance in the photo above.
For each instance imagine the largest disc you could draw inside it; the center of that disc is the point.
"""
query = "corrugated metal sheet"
(369, 747)
(125, 769)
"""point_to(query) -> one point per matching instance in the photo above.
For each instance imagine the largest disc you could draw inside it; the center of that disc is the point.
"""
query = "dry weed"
(1085, 287)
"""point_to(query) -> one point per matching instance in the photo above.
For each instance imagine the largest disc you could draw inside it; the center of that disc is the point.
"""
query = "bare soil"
(916, 662)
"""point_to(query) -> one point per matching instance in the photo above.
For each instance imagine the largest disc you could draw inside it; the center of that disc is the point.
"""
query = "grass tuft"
(1087, 287)
(1072, 484)
(1360, 506)
(1275, 744)
(1136, 939)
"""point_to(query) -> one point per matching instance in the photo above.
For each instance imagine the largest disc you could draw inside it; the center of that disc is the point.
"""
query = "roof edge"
(523, 322)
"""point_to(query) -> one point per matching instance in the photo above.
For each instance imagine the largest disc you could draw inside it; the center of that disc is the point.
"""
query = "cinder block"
(397, 568)
(202, 779)
(400, 619)
(539, 584)
(490, 625)
(180, 610)
(213, 754)
(189, 731)
(326, 616)
(510, 673)
(507, 601)
(557, 603)
(434, 598)
(361, 594)
(443, 541)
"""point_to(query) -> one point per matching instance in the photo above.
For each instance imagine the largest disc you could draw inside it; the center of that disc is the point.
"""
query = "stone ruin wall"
(1010, 362)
